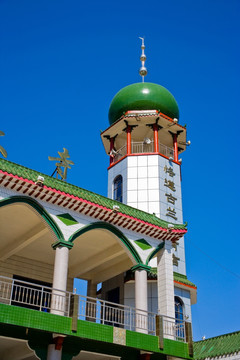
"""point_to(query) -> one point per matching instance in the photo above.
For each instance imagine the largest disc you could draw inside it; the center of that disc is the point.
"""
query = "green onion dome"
(143, 96)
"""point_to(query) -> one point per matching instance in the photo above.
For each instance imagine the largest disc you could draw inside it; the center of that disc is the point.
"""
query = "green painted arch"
(38, 208)
(154, 252)
(113, 230)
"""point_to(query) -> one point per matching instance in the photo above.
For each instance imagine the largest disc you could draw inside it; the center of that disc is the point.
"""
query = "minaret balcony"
(142, 147)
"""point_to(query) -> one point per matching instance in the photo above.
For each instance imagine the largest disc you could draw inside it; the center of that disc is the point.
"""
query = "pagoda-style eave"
(82, 206)
(146, 117)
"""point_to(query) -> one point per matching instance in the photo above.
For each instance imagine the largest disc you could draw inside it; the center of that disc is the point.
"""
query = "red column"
(175, 146)
(128, 140)
(111, 147)
(155, 131)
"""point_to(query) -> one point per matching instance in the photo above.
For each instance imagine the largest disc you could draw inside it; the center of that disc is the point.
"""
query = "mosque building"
(131, 242)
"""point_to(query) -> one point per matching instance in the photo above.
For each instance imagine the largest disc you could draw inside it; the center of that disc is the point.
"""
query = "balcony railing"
(43, 298)
(142, 147)
(118, 315)
(34, 296)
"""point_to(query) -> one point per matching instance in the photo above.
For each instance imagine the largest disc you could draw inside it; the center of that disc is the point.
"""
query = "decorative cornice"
(20, 179)
(141, 267)
(62, 243)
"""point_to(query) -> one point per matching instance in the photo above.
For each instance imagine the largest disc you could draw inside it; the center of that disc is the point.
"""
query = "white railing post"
(103, 312)
(11, 292)
(41, 299)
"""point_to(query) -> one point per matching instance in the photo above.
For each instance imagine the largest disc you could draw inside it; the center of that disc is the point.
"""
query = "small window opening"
(117, 188)
(179, 319)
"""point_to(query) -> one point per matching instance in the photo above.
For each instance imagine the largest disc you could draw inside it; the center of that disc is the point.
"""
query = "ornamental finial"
(143, 69)
(2, 150)
(63, 163)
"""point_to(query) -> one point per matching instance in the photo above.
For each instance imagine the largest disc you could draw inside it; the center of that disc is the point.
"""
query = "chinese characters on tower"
(171, 199)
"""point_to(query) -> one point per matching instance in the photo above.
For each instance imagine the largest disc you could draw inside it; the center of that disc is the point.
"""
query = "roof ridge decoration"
(72, 197)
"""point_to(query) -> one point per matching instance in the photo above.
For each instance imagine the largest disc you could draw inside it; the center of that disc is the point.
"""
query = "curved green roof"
(143, 96)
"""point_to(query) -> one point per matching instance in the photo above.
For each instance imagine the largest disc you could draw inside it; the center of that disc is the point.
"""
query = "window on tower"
(178, 308)
(117, 188)
(179, 318)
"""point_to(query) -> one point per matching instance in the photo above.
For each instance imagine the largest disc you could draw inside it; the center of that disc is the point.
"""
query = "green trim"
(154, 252)
(32, 175)
(113, 230)
(67, 219)
(39, 208)
(150, 343)
(15, 320)
(176, 277)
(62, 243)
(141, 267)
(143, 244)
(183, 279)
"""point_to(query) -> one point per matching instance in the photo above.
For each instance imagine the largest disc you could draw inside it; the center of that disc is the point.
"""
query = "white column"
(165, 288)
(141, 300)
(53, 354)
(61, 268)
(58, 305)
(141, 296)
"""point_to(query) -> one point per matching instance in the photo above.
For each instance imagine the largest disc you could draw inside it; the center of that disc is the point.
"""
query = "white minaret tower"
(144, 141)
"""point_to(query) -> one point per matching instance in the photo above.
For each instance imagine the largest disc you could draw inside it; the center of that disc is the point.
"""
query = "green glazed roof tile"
(26, 173)
(176, 277)
(183, 279)
(217, 346)
(152, 275)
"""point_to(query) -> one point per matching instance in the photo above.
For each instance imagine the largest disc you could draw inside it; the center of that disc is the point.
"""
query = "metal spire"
(143, 69)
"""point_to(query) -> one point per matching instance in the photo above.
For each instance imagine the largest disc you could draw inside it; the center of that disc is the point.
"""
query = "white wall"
(144, 187)
(17, 265)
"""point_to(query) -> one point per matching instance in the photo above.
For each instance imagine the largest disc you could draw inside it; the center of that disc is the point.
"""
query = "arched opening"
(27, 232)
(118, 188)
(100, 252)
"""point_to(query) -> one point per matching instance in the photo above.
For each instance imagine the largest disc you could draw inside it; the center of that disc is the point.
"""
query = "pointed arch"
(103, 225)
(38, 208)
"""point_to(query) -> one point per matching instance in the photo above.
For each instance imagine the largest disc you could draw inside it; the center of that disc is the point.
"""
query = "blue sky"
(62, 62)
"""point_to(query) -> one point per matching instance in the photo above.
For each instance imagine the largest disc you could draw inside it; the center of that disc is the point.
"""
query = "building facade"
(130, 242)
